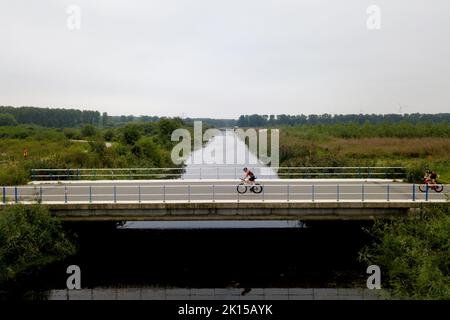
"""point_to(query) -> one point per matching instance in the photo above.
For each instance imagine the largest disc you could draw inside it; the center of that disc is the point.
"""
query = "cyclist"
(249, 176)
(433, 178)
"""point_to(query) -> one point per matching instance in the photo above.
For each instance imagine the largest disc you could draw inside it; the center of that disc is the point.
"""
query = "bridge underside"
(232, 211)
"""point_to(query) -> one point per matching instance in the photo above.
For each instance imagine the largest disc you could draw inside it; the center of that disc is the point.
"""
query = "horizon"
(216, 118)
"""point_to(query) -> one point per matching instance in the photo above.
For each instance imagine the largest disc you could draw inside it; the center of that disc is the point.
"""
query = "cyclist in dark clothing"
(433, 177)
(250, 176)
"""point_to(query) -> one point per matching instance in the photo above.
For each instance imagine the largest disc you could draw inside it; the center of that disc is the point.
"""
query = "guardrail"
(217, 192)
(213, 172)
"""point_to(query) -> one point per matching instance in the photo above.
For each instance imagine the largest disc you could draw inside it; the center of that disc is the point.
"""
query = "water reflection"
(213, 224)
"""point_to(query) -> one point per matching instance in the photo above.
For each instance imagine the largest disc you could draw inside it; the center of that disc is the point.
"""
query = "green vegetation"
(30, 239)
(256, 120)
(413, 253)
(133, 145)
(415, 146)
(56, 118)
(7, 120)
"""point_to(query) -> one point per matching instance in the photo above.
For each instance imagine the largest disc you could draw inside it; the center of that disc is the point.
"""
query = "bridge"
(218, 199)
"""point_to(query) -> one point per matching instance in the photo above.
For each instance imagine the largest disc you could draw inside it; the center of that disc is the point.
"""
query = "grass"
(323, 148)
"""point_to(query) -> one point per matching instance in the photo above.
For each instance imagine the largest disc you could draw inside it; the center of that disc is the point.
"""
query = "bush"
(30, 239)
(71, 133)
(13, 175)
(415, 172)
(108, 135)
(88, 130)
(131, 134)
(413, 253)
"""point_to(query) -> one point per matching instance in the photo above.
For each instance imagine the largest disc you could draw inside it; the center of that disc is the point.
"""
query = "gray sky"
(225, 58)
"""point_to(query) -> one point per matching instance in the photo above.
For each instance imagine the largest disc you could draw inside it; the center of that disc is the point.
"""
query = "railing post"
(362, 192)
(78, 174)
(189, 193)
(115, 194)
(337, 192)
(427, 192)
(164, 193)
(40, 194)
(312, 193)
(90, 194)
(139, 192)
(388, 192)
(4, 195)
(16, 196)
(217, 173)
(214, 193)
(414, 192)
(32, 174)
(65, 193)
(288, 192)
(200, 169)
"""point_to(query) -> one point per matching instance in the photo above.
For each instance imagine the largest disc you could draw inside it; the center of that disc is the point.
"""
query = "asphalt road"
(221, 190)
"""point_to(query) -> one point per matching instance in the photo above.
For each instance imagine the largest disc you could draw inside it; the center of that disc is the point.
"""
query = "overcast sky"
(221, 59)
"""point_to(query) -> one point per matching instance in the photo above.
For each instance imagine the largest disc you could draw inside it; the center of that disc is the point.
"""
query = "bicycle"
(245, 185)
(437, 187)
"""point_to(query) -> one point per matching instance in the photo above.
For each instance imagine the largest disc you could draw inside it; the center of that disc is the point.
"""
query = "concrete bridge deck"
(203, 211)
(282, 199)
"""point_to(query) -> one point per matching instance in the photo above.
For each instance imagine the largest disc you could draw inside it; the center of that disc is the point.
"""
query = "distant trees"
(256, 120)
(7, 120)
(56, 118)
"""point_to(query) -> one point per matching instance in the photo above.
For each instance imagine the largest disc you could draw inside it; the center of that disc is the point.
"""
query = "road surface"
(220, 190)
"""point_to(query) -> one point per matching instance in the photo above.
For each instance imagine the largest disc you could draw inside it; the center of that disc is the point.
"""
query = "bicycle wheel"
(423, 187)
(241, 188)
(439, 187)
(257, 188)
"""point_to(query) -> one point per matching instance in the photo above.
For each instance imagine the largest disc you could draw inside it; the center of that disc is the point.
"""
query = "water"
(322, 255)
(224, 157)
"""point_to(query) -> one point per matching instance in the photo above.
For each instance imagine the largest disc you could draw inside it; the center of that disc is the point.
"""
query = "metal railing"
(186, 193)
(216, 172)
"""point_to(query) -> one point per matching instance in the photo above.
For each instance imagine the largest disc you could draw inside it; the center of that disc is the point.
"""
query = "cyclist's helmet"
(245, 169)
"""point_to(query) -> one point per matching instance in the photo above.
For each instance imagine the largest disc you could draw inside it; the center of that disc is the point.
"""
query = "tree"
(104, 119)
(30, 238)
(7, 120)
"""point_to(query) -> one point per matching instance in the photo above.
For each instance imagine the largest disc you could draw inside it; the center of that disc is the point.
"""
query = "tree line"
(73, 118)
(70, 118)
(46, 117)
(256, 120)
